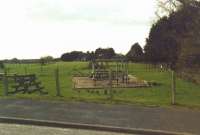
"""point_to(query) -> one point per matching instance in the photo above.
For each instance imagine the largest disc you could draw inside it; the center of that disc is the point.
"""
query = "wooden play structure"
(108, 74)
(116, 70)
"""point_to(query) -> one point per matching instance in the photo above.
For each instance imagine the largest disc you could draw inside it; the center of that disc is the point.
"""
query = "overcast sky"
(35, 28)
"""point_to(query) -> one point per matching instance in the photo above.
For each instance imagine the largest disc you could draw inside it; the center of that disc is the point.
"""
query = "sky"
(36, 28)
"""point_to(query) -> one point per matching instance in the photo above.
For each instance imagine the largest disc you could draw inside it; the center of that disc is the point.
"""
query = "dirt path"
(168, 119)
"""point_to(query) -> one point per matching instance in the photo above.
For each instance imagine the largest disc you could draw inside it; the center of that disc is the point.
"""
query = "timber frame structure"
(108, 74)
(113, 69)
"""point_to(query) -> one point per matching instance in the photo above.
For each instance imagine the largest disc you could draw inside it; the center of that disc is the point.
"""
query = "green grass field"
(188, 94)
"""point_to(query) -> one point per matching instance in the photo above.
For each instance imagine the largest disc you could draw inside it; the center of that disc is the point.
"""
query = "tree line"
(174, 40)
(135, 54)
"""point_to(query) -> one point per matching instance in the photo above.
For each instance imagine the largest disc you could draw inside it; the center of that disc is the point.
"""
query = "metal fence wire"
(165, 86)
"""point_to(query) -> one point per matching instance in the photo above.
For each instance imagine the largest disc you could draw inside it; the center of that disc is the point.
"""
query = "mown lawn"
(188, 94)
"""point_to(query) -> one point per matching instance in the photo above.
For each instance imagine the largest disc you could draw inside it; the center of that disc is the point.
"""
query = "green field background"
(188, 94)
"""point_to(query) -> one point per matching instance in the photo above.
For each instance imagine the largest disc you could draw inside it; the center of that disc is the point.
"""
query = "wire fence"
(168, 87)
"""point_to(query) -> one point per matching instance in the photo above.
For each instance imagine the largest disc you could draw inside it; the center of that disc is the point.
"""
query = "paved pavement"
(8, 129)
(127, 116)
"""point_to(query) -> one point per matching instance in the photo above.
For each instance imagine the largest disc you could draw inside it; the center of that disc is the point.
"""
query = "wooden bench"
(27, 84)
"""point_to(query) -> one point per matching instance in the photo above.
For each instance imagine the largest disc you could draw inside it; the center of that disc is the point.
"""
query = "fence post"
(110, 84)
(173, 89)
(57, 82)
(25, 70)
(5, 83)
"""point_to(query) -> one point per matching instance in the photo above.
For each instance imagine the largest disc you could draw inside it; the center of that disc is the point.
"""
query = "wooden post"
(93, 70)
(126, 71)
(41, 69)
(57, 82)
(5, 83)
(25, 70)
(110, 84)
(173, 88)
(117, 74)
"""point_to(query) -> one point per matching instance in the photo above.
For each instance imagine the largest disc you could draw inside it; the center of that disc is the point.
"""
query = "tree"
(135, 54)
(166, 7)
(90, 56)
(74, 56)
(174, 38)
(15, 60)
(107, 53)
(1, 65)
(46, 60)
(186, 23)
(161, 46)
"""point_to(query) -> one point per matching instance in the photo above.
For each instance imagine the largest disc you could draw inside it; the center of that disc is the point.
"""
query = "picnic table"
(7, 75)
(27, 84)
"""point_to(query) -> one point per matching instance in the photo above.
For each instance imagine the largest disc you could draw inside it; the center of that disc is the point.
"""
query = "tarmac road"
(9, 129)
(127, 116)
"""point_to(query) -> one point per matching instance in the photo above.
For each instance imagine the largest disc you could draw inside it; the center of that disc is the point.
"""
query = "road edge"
(55, 124)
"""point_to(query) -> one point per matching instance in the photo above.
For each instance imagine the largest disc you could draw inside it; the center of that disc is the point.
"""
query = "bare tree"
(166, 7)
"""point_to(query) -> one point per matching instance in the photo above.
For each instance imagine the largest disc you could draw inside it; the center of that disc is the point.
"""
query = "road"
(7, 129)
(127, 116)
